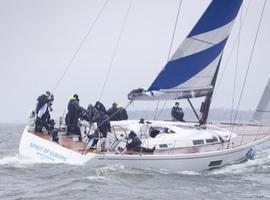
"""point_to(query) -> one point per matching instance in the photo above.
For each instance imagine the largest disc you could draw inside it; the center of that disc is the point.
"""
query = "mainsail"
(262, 114)
(191, 69)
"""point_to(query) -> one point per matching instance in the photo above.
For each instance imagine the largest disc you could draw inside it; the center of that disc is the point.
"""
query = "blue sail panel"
(218, 14)
(180, 70)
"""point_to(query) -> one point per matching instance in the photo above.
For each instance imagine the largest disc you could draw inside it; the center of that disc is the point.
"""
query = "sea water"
(22, 178)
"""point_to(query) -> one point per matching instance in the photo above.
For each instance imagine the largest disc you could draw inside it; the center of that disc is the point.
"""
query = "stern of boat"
(42, 150)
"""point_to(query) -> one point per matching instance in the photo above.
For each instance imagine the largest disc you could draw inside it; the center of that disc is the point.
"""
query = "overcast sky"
(39, 37)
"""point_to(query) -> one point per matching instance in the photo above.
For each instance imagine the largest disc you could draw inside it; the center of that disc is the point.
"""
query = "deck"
(246, 133)
(65, 141)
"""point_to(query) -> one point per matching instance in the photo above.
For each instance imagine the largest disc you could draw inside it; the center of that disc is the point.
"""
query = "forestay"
(262, 114)
(190, 70)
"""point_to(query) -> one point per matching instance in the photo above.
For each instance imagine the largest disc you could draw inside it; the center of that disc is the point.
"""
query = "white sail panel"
(203, 78)
(202, 41)
(262, 114)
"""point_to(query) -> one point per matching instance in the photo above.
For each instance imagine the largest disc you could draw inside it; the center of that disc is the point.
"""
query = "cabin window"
(163, 146)
(197, 142)
(213, 139)
(215, 163)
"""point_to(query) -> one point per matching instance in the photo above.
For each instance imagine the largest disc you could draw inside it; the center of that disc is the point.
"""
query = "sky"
(38, 38)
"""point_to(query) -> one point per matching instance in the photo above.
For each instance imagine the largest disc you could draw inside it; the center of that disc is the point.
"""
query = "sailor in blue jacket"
(75, 111)
(177, 113)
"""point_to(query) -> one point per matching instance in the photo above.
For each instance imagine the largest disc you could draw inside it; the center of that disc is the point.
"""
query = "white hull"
(44, 150)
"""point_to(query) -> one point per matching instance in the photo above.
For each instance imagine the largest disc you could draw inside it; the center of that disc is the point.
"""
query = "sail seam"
(263, 111)
(203, 41)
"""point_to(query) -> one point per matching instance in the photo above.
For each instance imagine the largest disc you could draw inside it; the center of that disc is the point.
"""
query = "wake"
(261, 162)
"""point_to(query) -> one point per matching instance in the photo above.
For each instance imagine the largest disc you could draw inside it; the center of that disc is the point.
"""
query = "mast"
(205, 106)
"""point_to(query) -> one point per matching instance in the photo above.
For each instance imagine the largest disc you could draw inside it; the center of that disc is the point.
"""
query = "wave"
(118, 169)
(191, 173)
(19, 161)
(261, 161)
(168, 172)
(95, 178)
(110, 169)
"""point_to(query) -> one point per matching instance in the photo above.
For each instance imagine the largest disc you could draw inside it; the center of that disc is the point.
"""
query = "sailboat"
(191, 72)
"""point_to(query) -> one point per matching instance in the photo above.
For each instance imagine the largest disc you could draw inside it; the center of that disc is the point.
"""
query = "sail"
(262, 114)
(190, 70)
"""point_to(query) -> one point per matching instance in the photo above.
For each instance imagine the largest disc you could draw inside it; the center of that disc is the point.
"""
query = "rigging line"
(263, 111)
(194, 111)
(115, 50)
(155, 116)
(174, 29)
(230, 54)
(127, 105)
(250, 59)
(105, 120)
(236, 65)
(249, 64)
(80, 46)
(160, 112)
(170, 49)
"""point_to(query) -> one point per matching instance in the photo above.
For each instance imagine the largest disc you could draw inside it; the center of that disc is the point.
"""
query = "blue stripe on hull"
(179, 71)
(218, 14)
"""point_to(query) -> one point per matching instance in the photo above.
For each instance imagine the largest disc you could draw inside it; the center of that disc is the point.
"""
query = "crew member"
(73, 115)
(114, 113)
(123, 113)
(177, 113)
(100, 107)
(134, 144)
(92, 112)
(103, 123)
(43, 109)
(117, 113)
